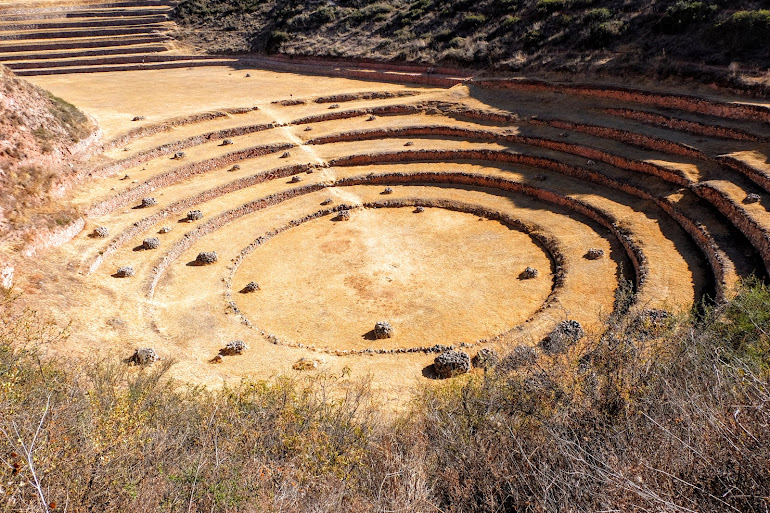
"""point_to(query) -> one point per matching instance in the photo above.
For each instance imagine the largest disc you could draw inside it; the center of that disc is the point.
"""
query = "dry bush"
(626, 422)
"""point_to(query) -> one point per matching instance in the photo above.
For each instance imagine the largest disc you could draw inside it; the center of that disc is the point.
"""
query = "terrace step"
(127, 67)
(66, 54)
(91, 13)
(101, 61)
(38, 25)
(149, 28)
(72, 44)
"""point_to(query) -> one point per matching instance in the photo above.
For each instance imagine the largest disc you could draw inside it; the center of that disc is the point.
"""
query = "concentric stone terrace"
(511, 206)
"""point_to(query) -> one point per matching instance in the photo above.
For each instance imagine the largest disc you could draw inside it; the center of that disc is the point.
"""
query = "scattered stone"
(286, 155)
(226, 142)
(252, 286)
(295, 179)
(194, 215)
(148, 202)
(529, 273)
(451, 363)
(342, 215)
(233, 348)
(165, 229)
(594, 253)
(138, 118)
(752, 198)
(236, 167)
(383, 329)
(438, 348)
(101, 232)
(334, 106)
(327, 201)
(125, 272)
(179, 155)
(151, 243)
(520, 356)
(410, 143)
(541, 177)
(419, 210)
(144, 356)
(485, 358)
(206, 257)
(304, 364)
(388, 190)
(565, 334)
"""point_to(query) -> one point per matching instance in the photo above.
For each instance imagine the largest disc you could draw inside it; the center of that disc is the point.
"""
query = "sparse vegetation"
(670, 38)
(666, 424)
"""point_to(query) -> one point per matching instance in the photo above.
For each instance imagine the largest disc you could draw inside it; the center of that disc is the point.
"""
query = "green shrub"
(746, 30)
(509, 21)
(550, 6)
(683, 14)
(471, 21)
(598, 15)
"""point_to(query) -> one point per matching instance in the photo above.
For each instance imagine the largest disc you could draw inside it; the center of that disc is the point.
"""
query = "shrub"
(745, 30)
(683, 14)
(471, 21)
(550, 6)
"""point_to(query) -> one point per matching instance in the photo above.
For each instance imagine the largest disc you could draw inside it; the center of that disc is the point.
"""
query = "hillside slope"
(39, 135)
(712, 40)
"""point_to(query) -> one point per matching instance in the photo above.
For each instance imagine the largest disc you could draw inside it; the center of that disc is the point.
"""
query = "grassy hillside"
(38, 132)
(682, 37)
(667, 416)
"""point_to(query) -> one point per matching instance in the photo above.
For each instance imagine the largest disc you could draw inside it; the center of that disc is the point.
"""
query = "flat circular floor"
(439, 277)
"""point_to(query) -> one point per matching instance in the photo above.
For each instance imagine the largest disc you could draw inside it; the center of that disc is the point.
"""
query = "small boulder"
(594, 253)
(382, 330)
(252, 286)
(226, 142)
(295, 179)
(419, 210)
(371, 117)
(179, 155)
(151, 243)
(327, 201)
(342, 215)
(334, 106)
(233, 348)
(286, 155)
(529, 273)
(148, 202)
(206, 258)
(138, 118)
(125, 272)
(752, 198)
(165, 229)
(308, 128)
(541, 177)
(409, 143)
(194, 215)
(101, 232)
(235, 167)
(388, 190)
(451, 363)
(144, 356)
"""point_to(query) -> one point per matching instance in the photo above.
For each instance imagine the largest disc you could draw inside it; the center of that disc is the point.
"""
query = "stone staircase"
(46, 38)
